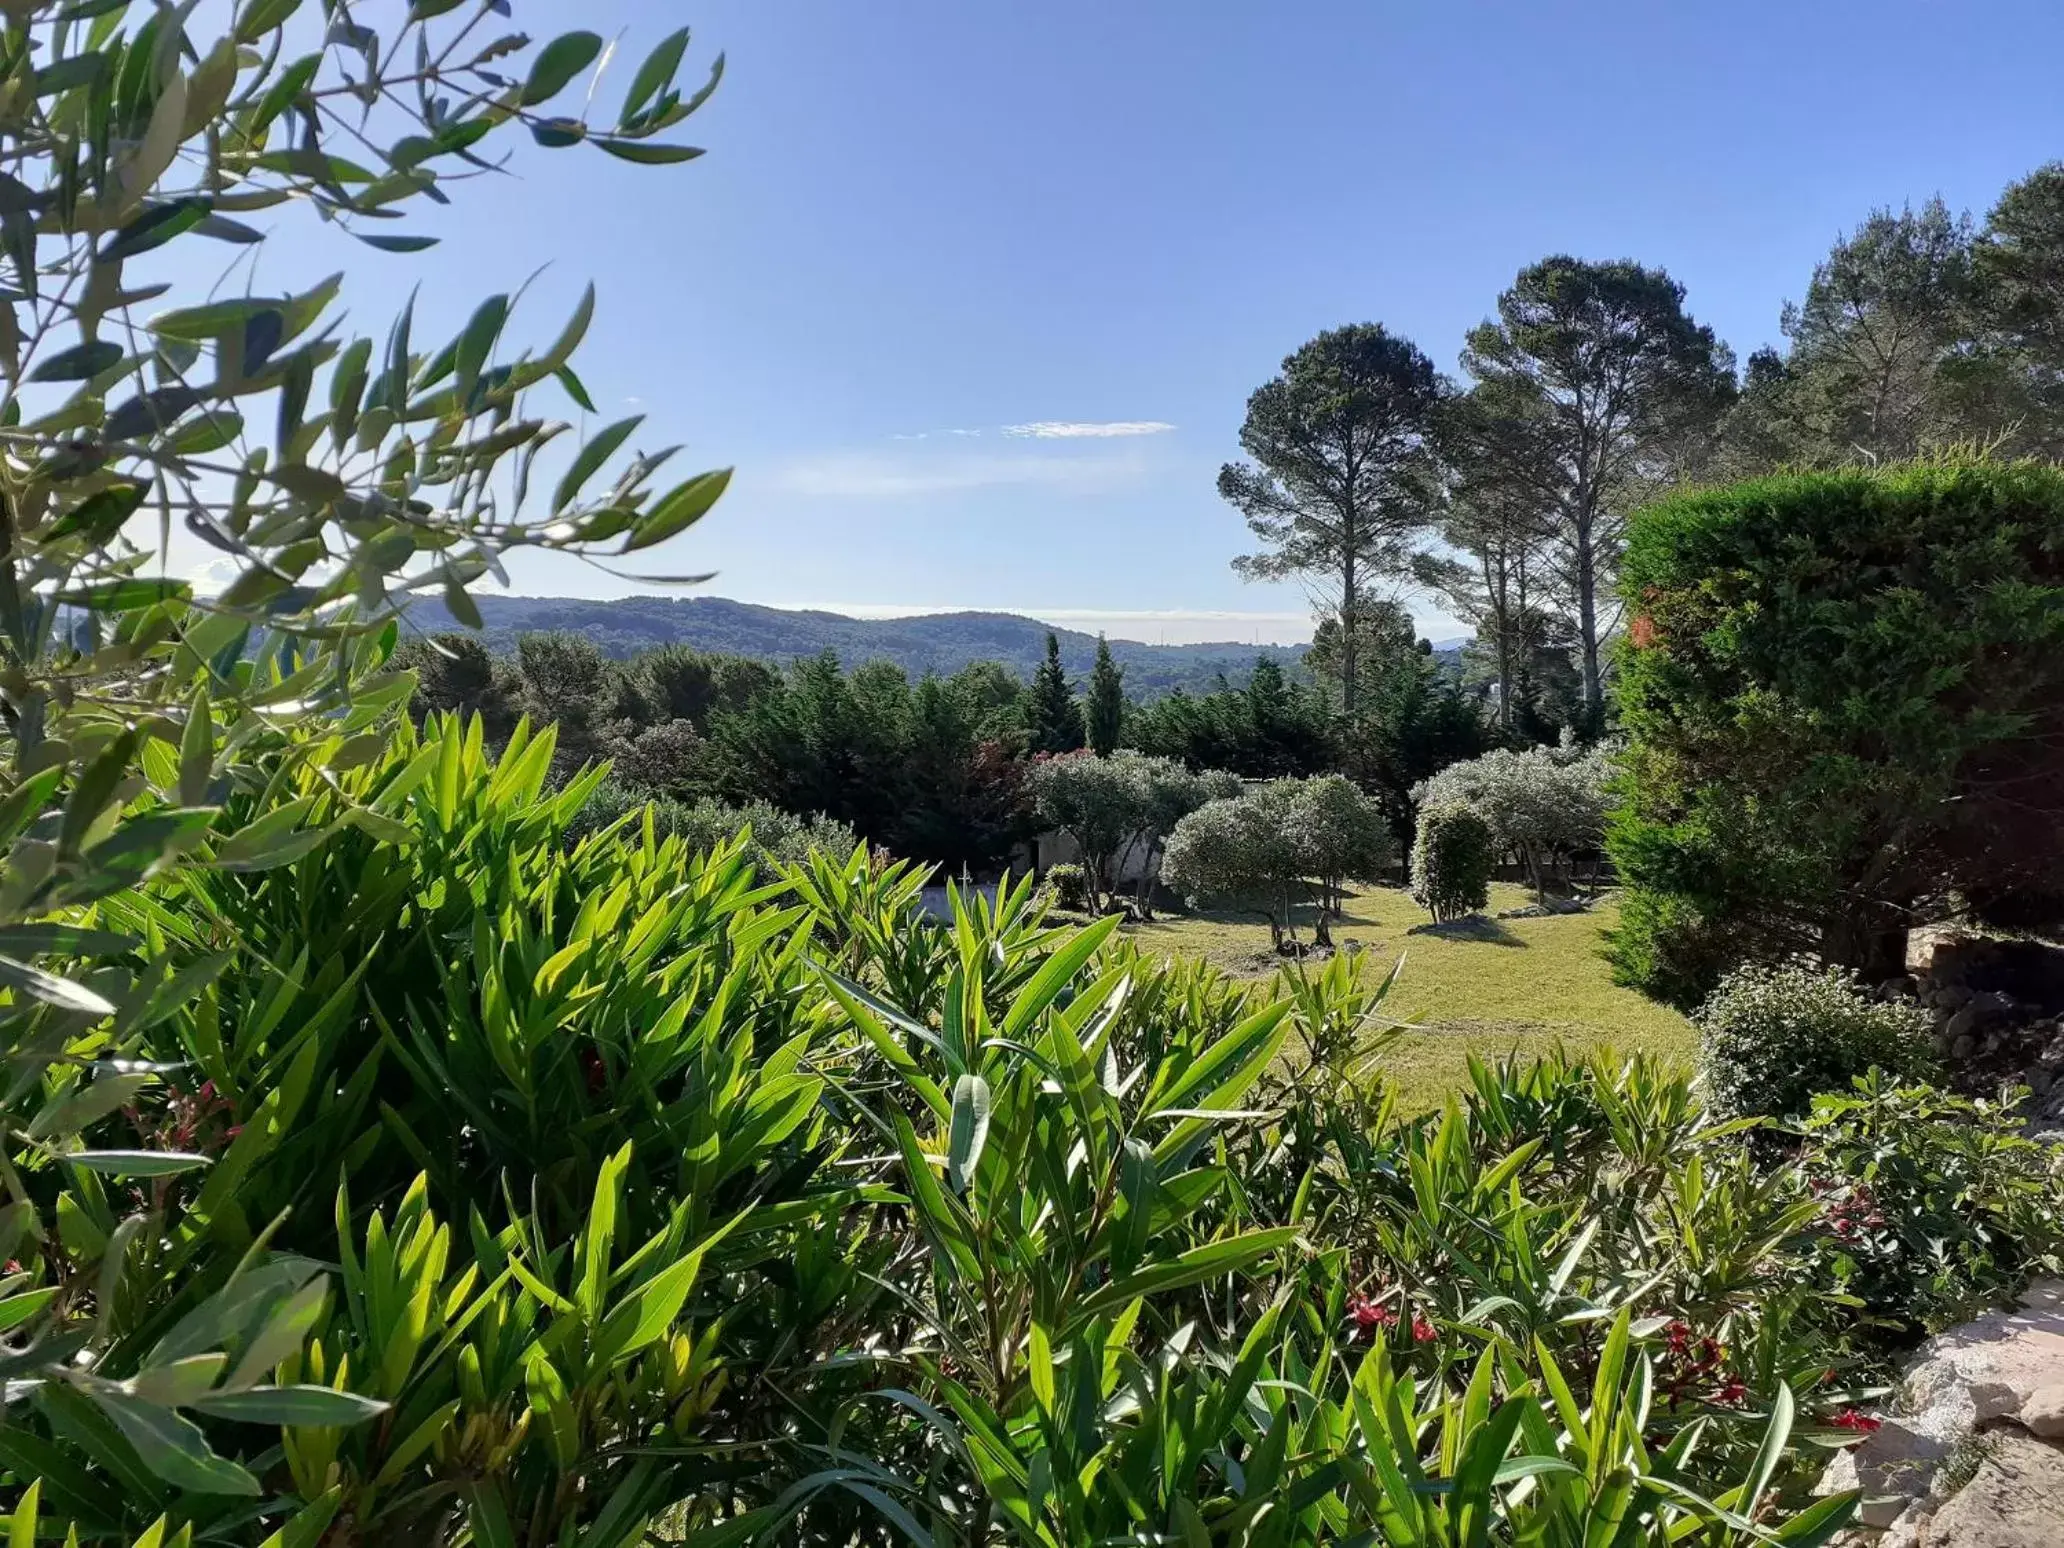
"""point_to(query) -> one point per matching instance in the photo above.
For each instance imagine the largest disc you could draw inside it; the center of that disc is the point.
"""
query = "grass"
(1496, 987)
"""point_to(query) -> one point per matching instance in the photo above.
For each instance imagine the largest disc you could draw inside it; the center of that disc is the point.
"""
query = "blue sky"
(922, 222)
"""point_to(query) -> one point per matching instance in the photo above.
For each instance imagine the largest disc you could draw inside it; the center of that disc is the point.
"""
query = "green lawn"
(1515, 985)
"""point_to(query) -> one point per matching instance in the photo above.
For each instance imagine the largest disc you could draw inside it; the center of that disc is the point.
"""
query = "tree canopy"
(1341, 474)
(1600, 389)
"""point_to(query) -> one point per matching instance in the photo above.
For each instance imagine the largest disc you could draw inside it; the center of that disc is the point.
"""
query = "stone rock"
(1994, 1400)
(1950, 997)
(1900, 988)
(2043, 1412)
(2014, 1500)
(1965, 1389)
(1963, 1026)
(1963, 1044)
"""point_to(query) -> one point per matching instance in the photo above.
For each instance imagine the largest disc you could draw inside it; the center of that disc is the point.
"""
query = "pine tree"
(1053, 718)
(1104, 710)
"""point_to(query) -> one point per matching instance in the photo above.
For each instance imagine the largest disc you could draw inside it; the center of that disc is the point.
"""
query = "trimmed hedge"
(1845, 699)
(1451, 862)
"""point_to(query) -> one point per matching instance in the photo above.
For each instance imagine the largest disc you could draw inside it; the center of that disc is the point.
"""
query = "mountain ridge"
(920, 643)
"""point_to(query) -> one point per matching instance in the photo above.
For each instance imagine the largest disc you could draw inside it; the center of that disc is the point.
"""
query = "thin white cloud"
(212, 576)
(1078, 429)
(872, 476)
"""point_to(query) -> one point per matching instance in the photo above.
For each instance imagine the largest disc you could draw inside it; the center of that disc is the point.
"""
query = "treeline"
(1589, 391)
(936, 769)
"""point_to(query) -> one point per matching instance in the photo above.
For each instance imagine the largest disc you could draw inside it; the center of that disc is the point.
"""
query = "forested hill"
(937, 642)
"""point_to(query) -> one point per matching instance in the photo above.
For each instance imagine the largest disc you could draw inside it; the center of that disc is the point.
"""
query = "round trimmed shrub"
(1069, 885)
(1773, 1038)
(1451, 862)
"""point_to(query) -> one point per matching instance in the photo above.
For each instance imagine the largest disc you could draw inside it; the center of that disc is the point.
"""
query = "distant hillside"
(935, 642)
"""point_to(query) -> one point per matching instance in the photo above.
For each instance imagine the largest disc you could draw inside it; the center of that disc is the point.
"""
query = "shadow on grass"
(1471, 927)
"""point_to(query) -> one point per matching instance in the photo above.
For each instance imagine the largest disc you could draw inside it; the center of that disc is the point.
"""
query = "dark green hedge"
(1845, 697)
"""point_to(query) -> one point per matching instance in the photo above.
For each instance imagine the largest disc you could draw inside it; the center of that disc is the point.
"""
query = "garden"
(420, 1131)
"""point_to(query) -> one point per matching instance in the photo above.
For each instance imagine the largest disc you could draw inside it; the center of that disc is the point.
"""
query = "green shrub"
(1772, 1039)
(1845, 695)
(153, 1309)
(707, 1140)
(1451, 862)
(1934, 1207)
(1069, 884)
(778, 838)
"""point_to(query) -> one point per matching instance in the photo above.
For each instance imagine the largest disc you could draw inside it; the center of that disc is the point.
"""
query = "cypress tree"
(1053, 718)
(1105, 708)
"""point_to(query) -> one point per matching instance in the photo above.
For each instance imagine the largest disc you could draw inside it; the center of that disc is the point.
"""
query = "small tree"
(1341, 834)
(1104, 710)
(1167, 792)
(1451, 862)
(1240, 850)
(1543, 805)
(1053, 720)
(1094, 801)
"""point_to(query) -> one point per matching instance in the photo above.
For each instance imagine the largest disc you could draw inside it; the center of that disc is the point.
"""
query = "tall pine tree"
(1053, 720)
(1104, 711)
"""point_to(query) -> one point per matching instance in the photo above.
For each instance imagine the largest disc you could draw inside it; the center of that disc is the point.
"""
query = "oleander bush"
(781, 1211)
(407, 1145)
(1936, 1207)
(614, 1144)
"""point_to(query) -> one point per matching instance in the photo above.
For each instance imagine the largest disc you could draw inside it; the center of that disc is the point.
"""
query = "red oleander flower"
(1423, 1331)
(1733, 1392)
(1366, 1315)
(1861, 1423)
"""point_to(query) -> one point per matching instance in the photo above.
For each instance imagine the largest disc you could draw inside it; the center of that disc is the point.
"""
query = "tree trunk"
(1350, 633)
(1587, 622)
(1498, 590)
